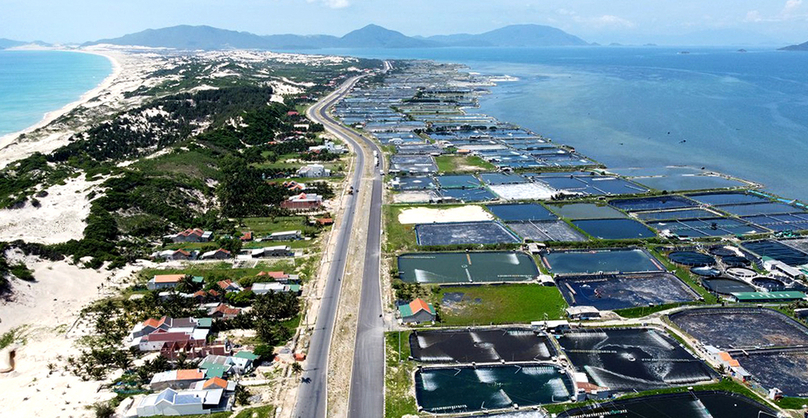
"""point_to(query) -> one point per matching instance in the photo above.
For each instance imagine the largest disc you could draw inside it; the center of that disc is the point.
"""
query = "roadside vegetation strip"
(399, 385)
(498, 304)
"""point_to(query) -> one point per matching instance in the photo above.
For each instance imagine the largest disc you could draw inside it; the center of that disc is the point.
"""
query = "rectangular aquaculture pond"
(467, 267)
(771, 208)
(785, 370)
(547, 231)
(480, 345)
(522, 212)
(652, 203)
(461, 181)
(577, 211)
(689, 183)
(678, 214)
(705, 404)
(777, 251)
(614, 228)
(620, 291)
(633, 359)
(717, 199)
(741, 328)
(714, 227)
(607, 261)
(469, 389)
(468, 195)
(457, 233)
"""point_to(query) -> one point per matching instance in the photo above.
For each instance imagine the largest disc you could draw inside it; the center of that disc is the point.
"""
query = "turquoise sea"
(742, 113)
(33, 83)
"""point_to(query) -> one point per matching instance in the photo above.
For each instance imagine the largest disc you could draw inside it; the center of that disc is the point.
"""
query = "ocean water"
(33, 83)
(745, 114)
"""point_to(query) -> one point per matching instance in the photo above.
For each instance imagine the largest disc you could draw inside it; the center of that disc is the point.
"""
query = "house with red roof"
(164, 281)
(220, 254)
(191, 235)
(417, 312)
(176, 379)
(303, 201)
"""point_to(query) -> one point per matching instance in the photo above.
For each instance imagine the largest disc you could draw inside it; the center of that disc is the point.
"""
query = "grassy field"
(266, 226)
(398, 400)
(501, 304)
(399, 237)
(462, 163)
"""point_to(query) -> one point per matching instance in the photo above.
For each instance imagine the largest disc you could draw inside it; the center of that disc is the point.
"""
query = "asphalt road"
(312, 397)
(367, 379)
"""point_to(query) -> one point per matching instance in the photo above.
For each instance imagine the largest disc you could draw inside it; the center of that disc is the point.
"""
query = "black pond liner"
(735, 261)
(674, 405)
(772, 285)
(691, 258)
(726, 286)
(705, 271)
(722, 251)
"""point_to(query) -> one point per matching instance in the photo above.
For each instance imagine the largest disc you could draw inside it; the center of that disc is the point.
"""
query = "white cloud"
(605, 21)
(791, 11)
(791, 7)
(334, 4)
(753, 16)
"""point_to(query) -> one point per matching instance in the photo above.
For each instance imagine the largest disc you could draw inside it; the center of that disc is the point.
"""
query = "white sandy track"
(60, 218)
(423, 215)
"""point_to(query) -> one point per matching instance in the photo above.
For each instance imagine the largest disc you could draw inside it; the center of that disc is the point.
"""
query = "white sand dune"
(422, 215)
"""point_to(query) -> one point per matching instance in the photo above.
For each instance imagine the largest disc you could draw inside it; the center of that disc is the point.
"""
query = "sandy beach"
(49, 117)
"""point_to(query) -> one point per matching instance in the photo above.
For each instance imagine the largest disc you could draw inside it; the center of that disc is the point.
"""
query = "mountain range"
(801, 47)
(371, 36)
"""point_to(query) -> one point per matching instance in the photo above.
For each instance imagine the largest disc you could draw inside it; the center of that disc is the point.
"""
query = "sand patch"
(469, 213)
(59, 218)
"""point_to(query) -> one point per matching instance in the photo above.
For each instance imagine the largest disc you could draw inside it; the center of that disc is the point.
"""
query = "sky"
(684, 22)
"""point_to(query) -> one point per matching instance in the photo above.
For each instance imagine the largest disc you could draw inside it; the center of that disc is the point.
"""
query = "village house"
(191, 235)
(313, 171)
(214, 383)
(187, 402)
(176, 255)
(417, 312)
(280, 276)
(220, 254)
(275, 287)
(266, 252)
(239, 363)
(285, 235)
(303, 201)
(164, 281)
(176, 379)
(229, 286)
(223, 311)
(330, 147)
(247, 236)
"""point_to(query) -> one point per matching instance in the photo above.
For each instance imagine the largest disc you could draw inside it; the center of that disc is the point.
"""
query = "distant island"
(801, 47)
(372, 36)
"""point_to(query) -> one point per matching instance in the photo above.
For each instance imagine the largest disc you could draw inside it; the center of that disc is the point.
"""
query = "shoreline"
(48, 117)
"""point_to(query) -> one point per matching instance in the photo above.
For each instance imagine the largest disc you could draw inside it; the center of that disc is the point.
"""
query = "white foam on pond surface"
(429, 382)
(559, 388)
(587, 335)
(500, 399)
(422, 342)
(512, 259)
(486, 375)
(659, 339)
(519, 332)
(539, 370)
(544, 351)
